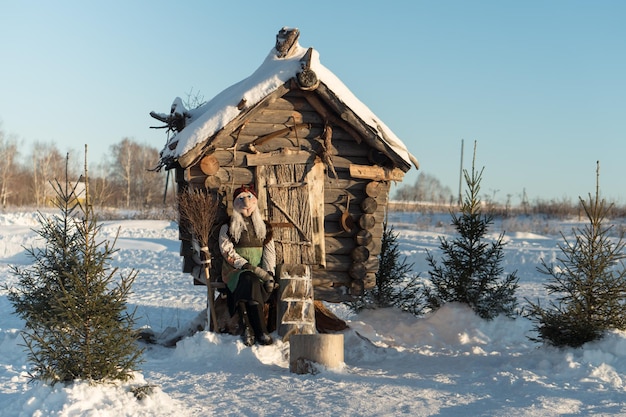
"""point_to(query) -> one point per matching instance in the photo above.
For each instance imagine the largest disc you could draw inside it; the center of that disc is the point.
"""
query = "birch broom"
(199, 209)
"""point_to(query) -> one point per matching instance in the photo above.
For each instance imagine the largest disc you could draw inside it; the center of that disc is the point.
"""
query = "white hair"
(238, 225)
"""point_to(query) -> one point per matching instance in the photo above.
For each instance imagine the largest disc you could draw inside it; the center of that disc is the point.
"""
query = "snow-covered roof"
(206, 120)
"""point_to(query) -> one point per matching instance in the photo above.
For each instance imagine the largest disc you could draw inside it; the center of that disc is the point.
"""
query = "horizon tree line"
(122, 178)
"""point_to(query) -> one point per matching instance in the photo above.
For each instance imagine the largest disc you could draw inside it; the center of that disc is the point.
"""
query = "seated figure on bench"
(249, 256)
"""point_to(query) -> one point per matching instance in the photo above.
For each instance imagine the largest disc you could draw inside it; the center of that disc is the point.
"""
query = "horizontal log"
(375, 173)
(367, 221)
(340, 246)
(330, 115)
(345, 162)
(343, 263)
(209, 165)
(357, 287)
(227, 176)
(276, 144)
(333, 294)
(345, 245)
(334, 211)
(345, 182)
(290, 102)
(226, 137)
(363, 237)
(307, 138)
(332, 229)
(325, 278)
(305, 132)
(370, 280)
(368, 205)
(229, 158)
(286, 117)
(212, 182)
(357, 271)
(377, 189)
(345, 145)
(257, 129)
(356, 189)
(360, 254)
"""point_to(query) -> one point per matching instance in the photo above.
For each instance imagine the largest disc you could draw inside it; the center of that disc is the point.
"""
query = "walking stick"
(211, 316)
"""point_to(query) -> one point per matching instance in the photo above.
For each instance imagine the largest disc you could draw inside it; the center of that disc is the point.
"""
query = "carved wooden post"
(296, 313)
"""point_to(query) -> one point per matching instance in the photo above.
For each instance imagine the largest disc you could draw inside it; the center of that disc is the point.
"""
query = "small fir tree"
(589, 282)
(394, 287)
(471, 272)
(77, 325)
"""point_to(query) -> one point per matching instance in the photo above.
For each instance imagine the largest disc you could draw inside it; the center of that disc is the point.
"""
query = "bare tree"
(48, 165)
(151, 183)
(131, 169)
(123, 155)
(8, 156)
(426, 188)
(101, 188)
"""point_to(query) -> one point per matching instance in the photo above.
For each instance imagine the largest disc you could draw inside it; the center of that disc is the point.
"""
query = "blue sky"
(540, 85)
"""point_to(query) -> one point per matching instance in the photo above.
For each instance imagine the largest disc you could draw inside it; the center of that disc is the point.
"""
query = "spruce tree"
(589, 282)
(394, 287)
(77, 326)
(470, 271)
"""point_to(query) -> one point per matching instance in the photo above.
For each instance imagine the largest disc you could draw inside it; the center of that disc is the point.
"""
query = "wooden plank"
(376, 173)
(315, 184)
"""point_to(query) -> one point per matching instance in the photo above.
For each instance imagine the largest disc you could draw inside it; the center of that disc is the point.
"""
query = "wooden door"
(293, 197)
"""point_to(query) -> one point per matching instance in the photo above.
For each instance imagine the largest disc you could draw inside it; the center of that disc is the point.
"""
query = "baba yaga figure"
(249, 261)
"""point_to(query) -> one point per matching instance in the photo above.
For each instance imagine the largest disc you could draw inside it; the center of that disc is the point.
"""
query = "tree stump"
(296, 309)
(307, 349)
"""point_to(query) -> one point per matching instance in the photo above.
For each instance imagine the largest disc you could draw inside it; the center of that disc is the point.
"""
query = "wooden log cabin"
(322, 164)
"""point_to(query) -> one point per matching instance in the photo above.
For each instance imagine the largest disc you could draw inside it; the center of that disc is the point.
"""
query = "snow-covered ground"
(449, 363)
